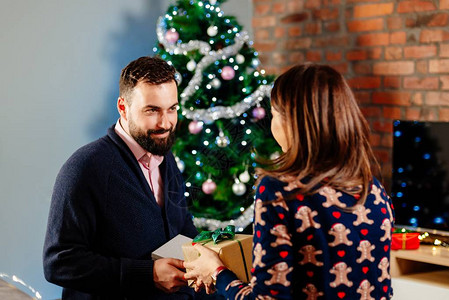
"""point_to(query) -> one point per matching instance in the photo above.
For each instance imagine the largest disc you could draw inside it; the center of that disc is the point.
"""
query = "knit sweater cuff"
(136, 276)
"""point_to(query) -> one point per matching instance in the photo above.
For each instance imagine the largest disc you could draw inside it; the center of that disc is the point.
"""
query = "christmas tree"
(224, 110)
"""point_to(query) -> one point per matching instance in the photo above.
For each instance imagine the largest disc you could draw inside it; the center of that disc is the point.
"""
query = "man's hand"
(168, 274)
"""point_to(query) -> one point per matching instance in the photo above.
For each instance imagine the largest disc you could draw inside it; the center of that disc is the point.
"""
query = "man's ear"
(121, 107)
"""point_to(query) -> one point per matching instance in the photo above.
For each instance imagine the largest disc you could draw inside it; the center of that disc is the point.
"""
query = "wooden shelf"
(427, 264)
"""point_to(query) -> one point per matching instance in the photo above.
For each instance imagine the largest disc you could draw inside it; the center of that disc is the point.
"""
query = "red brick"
(392, 98)
(295, 18)
(364, 82)
(313, 56)
(437, 98)
(438, 20)
(392, 113)
(444, 114)
(429, 114)
(415, 6)
(326, 13)
(444, 50)
(444, 4)
(295, 6)
(296, 57)
(279, 32)
(295, 44)
(279, 58)
(362, 68)
(366, 25)
(267, 21)
(422, 67)
(394, 68)
(439, 66)
(371, 111)
(392, 82)
(278, 8)
(394, 23)
(387, 139)
(398, 37)
(261, 34)
(444, 82)
(331, 41)
(262, 8)
(372, 10)
(332, 26)
(436, 35)
(340, 67)
(420, 51)
(294, 31)
(382, 156)
(363, 97)
(373, 39)
(374, 140)
(393, 53)
(265, 46)
(356, 55)
(313, 28)
(417, 99)
(415, 83)
(383, 126)
(413, 113)
(375, 53)
(332, 56)
(312, 4)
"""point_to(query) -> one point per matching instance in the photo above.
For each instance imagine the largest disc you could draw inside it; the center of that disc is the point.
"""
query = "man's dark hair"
(152, 70)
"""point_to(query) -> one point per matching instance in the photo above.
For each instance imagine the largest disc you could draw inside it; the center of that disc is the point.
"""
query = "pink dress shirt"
(148, 162)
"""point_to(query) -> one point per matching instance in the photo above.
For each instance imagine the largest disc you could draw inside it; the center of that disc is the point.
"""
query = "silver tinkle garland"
(217, 112)
(240, 223)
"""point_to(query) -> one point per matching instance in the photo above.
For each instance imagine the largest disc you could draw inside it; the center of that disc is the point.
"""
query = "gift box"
(235, 253)
(408, 240)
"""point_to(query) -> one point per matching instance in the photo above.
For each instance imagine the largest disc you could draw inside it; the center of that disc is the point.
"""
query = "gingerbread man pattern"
(320, 246)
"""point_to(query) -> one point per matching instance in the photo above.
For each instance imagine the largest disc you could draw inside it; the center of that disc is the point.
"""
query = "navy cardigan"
(104, 223)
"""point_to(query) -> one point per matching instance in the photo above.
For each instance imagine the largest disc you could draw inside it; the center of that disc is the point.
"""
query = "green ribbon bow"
(217, 235)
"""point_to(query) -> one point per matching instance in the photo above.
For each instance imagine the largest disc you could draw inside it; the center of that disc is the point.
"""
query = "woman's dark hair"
(329, 136)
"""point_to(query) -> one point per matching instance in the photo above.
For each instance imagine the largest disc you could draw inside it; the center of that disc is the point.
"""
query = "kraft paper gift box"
(236, 254)
(407, 240)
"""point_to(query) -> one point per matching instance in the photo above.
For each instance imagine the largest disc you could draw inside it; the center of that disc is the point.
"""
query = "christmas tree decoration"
(245, 177)
(181, 165)
(195, 127)
(227, 73)
(172, 36)
(221, 86)
(222, 140)
(209, 186)
(212, 30)
(259, 113)
(191, 65)
(216, 83)
(240, 59)
(238, 188)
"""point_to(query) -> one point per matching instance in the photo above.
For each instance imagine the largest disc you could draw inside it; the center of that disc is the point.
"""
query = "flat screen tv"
(420, 179)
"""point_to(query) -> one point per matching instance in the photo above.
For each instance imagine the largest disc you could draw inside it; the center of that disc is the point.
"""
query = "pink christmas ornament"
(259, 113)
(195, 127)
(209, 187)
(227, 73)
(172, 36)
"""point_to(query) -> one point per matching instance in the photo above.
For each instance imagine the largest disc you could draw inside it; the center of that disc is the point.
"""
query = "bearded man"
(121, 197)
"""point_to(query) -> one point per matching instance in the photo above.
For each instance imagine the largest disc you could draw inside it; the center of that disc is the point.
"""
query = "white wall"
(59, 67)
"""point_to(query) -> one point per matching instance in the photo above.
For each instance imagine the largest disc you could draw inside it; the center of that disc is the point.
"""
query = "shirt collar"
(135, 148)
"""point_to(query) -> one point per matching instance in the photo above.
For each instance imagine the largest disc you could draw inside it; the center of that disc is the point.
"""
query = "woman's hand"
(201, 269)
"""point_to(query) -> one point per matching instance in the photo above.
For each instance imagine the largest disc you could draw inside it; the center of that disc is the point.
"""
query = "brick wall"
(395, 54)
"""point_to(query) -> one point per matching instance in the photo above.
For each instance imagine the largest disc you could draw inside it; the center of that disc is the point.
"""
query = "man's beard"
(156, 146)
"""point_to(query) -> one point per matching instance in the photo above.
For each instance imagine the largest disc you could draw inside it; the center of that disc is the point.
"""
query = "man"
(121, 197)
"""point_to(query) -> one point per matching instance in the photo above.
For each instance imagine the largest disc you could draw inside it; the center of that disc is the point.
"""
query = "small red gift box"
(408, 241)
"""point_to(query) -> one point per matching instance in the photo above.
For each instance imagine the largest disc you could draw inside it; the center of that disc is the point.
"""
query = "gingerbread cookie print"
(306, 215)
(258, 211)
(279, 274)
(282, 236)
(341, 271)
(309, 252)
(340, 232)
(332, 197)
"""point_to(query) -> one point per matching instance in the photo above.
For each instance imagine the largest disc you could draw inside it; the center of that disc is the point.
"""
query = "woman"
(322, 221)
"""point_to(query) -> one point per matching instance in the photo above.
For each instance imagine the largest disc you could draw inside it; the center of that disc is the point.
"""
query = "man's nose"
(163, 121)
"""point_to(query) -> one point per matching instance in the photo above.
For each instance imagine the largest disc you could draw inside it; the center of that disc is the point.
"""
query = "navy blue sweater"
(104, 223)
